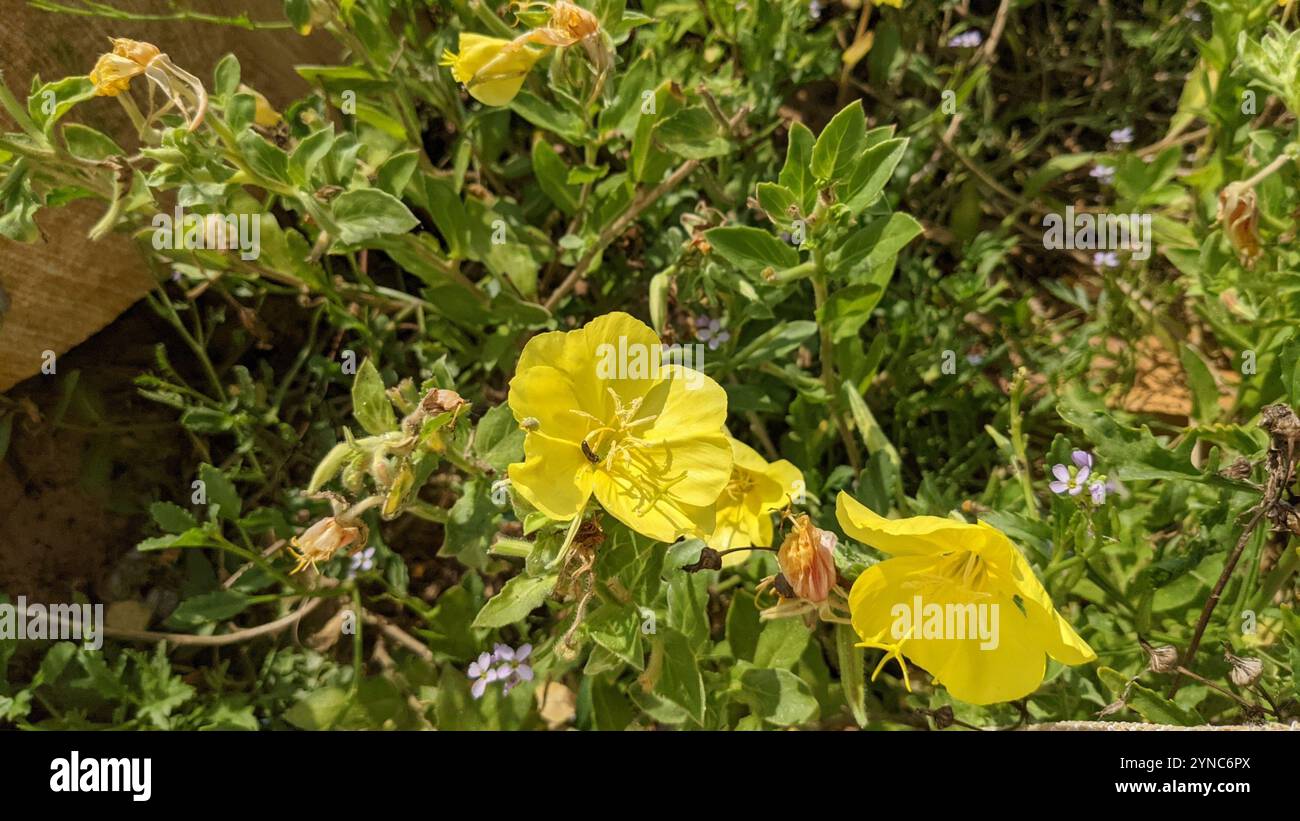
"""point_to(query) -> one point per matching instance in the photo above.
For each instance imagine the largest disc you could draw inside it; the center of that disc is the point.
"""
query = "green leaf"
(1205, 392)
(319, 709)
(871, 174)
(552, 174)
(368, 212)
(225, 77)
(743, 626)
(209, 607)
(751, 249)
(867, 248)
(498, 439)
(307, 155)
(520, 596)
(693, 134)
(220, 491)
(617, 628)
(781, 644)
(796, 175)
(778, 696)
(853, 676)
(85, 143)
(370, 403)
(172, 518)
(679, 679)
(1149, 704)
(264, 159)
(51, 101)
(840, 144)
(776, 342)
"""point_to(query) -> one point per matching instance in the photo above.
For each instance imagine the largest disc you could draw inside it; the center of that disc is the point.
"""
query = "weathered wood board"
(60, 291)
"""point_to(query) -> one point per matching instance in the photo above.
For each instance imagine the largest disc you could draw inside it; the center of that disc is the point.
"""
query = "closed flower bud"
(807, 560)
(1162, 659)
(1239, 215)
(1245, 671)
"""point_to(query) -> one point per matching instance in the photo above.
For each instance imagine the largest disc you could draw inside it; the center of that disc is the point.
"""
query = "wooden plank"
(65, 288)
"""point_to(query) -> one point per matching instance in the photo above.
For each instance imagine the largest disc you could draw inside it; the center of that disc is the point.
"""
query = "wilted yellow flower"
(321, 541)
(807, 560)
(958, 600)
(604, 416)
(137, 51)
(265, 115)
(492, 70)
(569, 23)
(112, 74)
(1239, 214)
(744, 510)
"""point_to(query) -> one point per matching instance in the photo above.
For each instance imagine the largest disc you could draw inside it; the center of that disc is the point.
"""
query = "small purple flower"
(362, 562)
(1098, 491)
(1081, 459)
(1067, 480)
(1122, 136)
(1105, 259)
(1193, 15)
(482, 673)
(510, 667)
(711, 331)
(815, 10)
(1104, 174)
(967, 39)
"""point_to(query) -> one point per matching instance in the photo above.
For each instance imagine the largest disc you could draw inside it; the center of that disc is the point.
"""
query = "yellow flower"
(756, 488)
(491, 69)
(604, 417)
(960, 601)
(112, 74)
(898, 4)
(807, 561)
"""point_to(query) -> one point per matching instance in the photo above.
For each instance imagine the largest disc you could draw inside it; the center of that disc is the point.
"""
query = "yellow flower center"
(615, 447)
(742, 482)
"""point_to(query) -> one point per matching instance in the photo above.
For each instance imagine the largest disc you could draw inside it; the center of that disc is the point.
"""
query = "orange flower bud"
(807, 560)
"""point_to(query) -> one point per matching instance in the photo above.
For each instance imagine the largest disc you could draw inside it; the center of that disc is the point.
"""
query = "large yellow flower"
(744, 510)
(491, 69)
(604, 417)
(960, 601)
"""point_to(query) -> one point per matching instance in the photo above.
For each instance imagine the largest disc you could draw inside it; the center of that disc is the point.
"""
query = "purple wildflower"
(711, 331)
(1122, 136)
(967, 39)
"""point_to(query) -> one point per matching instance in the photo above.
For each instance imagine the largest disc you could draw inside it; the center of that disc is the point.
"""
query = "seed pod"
(1162, 659)
(1245, 670)
(943, 717)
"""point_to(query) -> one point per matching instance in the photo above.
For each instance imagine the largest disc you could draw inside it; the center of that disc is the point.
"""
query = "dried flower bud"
(1245, 670)
(1162, 659)
(1239, 469)
(807, 560)
(710, 559)
(943, 717)
(440, 400)
(782, 585)
(1239, 215)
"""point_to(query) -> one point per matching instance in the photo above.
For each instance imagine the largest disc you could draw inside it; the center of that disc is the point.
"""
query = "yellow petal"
(649, 512)
(492, 69)
(112, 74)
(555, 477)
(972, 673)
(917, 535)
